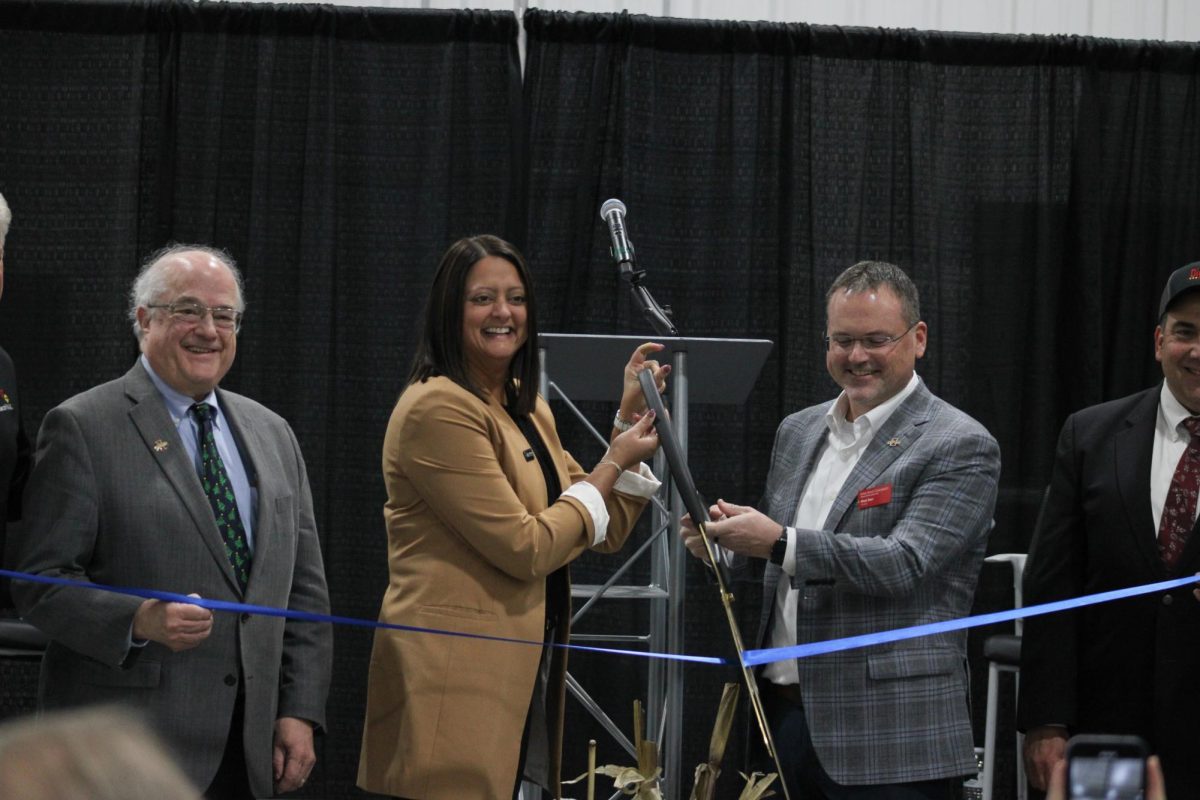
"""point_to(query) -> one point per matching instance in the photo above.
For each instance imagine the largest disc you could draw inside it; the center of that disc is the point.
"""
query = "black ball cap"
(1184, 279)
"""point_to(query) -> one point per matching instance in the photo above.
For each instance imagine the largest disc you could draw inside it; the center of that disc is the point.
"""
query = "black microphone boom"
(613, 214)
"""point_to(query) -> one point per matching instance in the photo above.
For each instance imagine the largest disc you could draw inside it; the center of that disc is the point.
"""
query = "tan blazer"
(471, 540)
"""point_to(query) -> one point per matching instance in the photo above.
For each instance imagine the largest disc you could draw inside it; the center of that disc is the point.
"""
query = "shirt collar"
(177, 402)
(1173, 413)
(846, 433)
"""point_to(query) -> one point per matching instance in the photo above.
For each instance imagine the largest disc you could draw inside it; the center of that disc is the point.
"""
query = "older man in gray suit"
(163, 481)
(878, 506)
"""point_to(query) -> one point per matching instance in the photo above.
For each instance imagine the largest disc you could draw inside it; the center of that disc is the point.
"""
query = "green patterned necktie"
(220, 495)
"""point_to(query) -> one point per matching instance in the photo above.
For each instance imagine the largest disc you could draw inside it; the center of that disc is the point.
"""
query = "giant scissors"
(682, 477)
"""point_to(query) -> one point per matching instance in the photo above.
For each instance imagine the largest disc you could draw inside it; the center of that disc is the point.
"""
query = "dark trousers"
(805, 777)
(232, 781)
(524, 753)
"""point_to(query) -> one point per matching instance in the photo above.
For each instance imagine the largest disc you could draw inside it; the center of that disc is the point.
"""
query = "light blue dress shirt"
(177, 406)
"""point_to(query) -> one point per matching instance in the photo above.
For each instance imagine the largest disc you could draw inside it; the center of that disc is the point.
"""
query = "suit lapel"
(900, 432)
(796, 474)
(1132, 450)
(795, 465)
(149, 416)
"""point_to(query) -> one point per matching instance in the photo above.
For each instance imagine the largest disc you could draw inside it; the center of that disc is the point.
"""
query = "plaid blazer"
(895, 712)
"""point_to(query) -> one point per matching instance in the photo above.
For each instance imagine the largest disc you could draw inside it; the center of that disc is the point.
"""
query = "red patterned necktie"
(1179, 511)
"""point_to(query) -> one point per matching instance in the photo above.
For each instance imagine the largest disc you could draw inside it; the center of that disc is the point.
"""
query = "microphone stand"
(658, 317)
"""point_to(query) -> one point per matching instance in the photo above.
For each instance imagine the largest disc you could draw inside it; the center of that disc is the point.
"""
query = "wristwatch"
(779, 549)
(621, 424)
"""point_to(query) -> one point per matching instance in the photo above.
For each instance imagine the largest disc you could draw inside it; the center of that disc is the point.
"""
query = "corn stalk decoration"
(640, 782)
(757, 784)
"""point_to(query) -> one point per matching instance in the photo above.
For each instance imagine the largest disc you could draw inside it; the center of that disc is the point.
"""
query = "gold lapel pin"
(894, 441)
(160, 445)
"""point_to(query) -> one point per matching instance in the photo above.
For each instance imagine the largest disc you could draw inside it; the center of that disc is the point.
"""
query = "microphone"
(613, 214)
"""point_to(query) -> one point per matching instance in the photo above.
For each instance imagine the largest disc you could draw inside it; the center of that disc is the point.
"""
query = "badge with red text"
(875, 496)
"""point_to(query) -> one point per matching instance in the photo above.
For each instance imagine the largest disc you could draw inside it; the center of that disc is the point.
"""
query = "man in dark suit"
(14, 445)
(1120, 512)
(161, 480)
(878, 507)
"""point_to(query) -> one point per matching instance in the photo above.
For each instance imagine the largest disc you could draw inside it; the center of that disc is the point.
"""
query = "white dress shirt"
(844, 446)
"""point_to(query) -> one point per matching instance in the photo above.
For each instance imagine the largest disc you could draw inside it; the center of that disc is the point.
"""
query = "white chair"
(1003, 652)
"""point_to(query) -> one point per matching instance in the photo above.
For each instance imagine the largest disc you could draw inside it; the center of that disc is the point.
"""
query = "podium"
(578, 367)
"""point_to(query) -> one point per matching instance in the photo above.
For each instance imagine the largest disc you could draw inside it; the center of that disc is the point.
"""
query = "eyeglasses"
(845, 344)
(187, 312)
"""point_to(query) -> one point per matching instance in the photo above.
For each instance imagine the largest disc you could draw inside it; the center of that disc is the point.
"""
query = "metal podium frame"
(587, 367)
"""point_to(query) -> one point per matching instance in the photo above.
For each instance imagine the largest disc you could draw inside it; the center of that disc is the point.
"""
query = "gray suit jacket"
(114, 499)
(896, 712)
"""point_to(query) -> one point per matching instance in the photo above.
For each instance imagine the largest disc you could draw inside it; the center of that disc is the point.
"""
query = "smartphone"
(1106, 767)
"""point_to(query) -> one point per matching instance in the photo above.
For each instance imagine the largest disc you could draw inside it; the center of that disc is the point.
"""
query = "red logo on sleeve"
(875, 496)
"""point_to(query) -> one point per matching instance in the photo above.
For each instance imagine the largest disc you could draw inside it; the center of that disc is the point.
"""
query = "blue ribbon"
(753, 657)
(269, 611)
(750, 657)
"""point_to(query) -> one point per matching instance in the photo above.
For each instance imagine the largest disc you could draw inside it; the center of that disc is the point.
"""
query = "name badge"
(875, 496)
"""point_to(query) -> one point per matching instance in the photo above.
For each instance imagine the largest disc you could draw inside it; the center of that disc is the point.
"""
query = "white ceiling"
(1171, 20)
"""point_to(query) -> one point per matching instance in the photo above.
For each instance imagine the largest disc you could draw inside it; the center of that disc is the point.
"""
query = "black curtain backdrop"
(333, 152)
(1038, 189)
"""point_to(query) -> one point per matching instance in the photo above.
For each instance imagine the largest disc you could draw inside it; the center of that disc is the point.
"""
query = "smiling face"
(872, 377)
(1177, 348)
(191, 357)
(494, 318)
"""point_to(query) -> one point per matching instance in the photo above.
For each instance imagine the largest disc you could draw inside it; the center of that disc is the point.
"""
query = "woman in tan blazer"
(485, 510)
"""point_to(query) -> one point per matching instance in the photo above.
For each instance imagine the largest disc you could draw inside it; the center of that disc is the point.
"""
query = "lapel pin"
(894, 441)
(160, 445)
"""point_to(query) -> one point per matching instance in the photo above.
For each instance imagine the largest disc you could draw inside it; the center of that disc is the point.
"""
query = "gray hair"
(100, 753)
(867, 275)
(151, 282)
(5, 221)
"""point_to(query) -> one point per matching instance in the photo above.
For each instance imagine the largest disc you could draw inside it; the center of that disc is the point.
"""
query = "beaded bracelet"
(610, 462)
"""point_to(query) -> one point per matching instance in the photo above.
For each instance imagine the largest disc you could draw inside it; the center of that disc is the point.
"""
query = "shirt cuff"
(637, 484)
(724, 556)
(132, 643)
(593, 501)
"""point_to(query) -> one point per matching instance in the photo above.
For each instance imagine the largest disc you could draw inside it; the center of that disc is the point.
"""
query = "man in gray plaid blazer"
(878, 506)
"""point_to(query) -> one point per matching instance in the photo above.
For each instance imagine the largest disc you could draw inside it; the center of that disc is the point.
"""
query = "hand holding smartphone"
(1106, 767)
